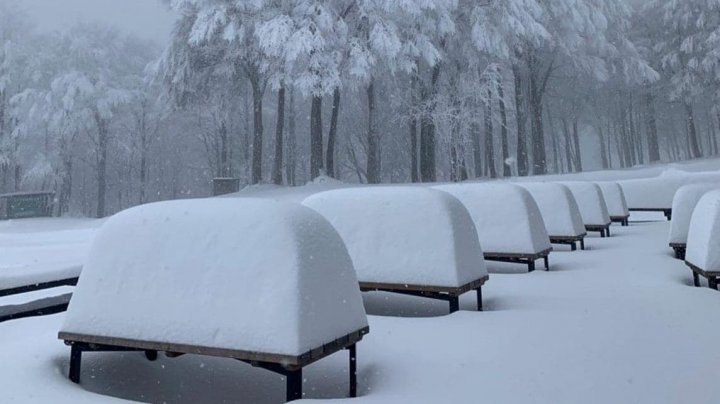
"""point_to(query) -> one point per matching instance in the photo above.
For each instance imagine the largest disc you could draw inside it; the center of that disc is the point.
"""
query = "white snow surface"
(253, 275)
(703, 242)
(506, 217)
(618, 323)
(614, 198)
(684, 202)
(43, 250)
(591, 202)
(658, 192)
(558, 207)
(404, 235)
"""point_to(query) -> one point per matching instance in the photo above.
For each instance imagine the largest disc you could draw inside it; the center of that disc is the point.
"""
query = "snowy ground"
(619, 323)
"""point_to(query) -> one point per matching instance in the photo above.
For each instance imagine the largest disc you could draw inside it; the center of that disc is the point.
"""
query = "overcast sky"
(145, 18)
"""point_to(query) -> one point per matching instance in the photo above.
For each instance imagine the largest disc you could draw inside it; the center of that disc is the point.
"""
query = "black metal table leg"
(294, 385)
(454, 303)
(75, 362)
(479, 299)
(531, 266)
(696, 280)
(353, 370)
(547, 262)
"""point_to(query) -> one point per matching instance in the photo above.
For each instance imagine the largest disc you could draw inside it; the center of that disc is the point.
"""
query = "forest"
(363, 91)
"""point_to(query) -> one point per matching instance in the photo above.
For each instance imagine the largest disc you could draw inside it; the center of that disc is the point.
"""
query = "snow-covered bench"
(508, 221)
(593, 208)
(560, 213)
(263, 282)
(616, 203)
(686, 198)
(410, 240)
(703, 243)
(651, 194)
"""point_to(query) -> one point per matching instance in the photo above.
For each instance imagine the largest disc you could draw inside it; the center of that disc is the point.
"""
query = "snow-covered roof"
(558, 207)
(506, 217)
(703, 243)
(614, 198)
(404, 235)
(591, 202)
(241, 274)
(686, 198)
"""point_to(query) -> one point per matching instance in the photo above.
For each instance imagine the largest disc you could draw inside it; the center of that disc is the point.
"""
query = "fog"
(148, 19)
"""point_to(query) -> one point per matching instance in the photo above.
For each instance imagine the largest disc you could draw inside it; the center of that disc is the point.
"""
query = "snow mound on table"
(614, 198)
(253, 275)
(506, 216)
(404, 235)
(658, 193)
(686, 198)
(703, 243)
(591, 202)
(558, 207)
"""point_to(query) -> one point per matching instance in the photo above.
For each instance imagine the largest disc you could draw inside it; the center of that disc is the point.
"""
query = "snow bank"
(404, 235)
(686, 198)
(703, 242)
(506, 216)
(253, 275)
(591, 202)
(614, 198)
(43, 250)
(558, 207)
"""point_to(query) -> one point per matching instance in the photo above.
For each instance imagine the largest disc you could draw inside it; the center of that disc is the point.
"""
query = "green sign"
(24, 206)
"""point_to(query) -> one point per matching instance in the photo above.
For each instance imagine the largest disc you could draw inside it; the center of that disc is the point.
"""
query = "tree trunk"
(65, 185)
(522, 156)
(576, 141)
(413, 127)
(477, 150)
(316, 137)
(291, 141)
(257, 149)
(277, 173)
(427, 132)
(692, 132)
(603, 148)
(101, 165)
(489, 138)
(537, 130)
(568, 145)
(652, 132)
(503, 130)
(373, 151)
(332, 134)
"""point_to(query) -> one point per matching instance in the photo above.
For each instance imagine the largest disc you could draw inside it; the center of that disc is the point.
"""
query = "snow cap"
(404, 235)
(241, 274)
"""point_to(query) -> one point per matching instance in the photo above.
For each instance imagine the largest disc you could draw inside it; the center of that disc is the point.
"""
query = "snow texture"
(506, 216)
(43, 250)
(614, 198)
(703, 244)
(252, 275)
(686, 198)
(558, 207)
(658, 193)
(591, 202)
(404, 235)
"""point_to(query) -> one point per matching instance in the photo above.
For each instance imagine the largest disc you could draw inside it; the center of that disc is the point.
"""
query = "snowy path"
(619, 323)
